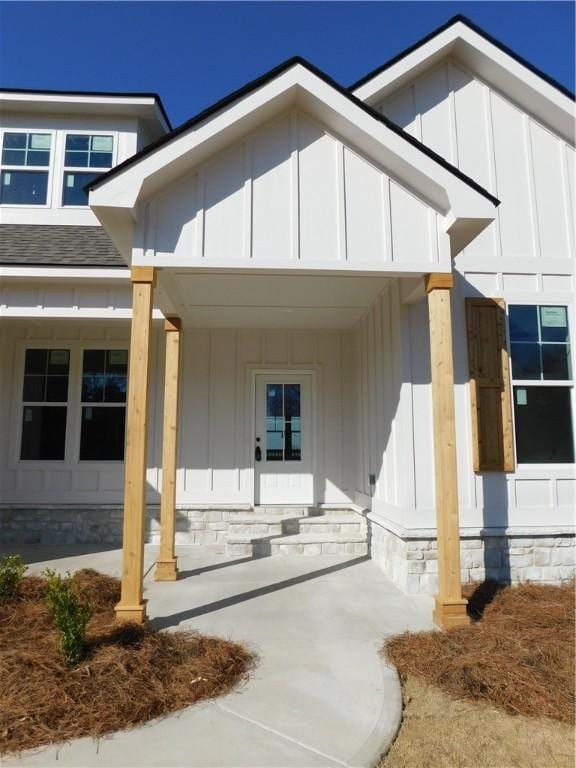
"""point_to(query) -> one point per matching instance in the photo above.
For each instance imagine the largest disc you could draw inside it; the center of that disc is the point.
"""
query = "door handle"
(258, 453)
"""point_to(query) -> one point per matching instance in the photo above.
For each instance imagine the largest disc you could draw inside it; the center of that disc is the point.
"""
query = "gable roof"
(491, 60)
(459, 18)
(262, 81)
(34, 245)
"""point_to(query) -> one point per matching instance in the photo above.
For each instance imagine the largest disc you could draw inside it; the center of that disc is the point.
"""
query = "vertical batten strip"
(248, 206)
(387, 219)
(529, 160)
(341, 200)
(295, 188)
(200, 214)
(566, 197)
(454, 154)
(433, 250)
(489, 123)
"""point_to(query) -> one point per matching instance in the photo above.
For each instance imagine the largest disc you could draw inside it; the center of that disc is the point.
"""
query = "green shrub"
(12, 570)
(70, 615)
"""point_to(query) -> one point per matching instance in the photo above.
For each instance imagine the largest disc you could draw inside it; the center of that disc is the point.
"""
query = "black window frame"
(95, 404)
(44, 169)
(45, 400)
(542, 382)
(87, 170)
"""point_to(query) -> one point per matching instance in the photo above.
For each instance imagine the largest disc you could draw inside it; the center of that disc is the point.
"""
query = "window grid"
(22, 142)
(542, 383)
(31, 406)
(86, 171)
(89, 404)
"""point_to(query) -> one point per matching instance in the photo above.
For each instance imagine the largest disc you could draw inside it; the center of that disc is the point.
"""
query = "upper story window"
(85, 157)
(25, 168)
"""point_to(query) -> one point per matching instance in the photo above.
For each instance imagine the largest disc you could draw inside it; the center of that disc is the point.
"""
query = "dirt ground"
(441, 732)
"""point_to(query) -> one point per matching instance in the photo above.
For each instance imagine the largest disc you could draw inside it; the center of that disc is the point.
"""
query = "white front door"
(283, 452)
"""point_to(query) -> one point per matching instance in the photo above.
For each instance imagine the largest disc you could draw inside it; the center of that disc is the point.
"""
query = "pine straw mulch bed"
(129, 675)
(518, 656)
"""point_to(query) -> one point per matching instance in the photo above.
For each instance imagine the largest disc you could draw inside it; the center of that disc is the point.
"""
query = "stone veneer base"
(103, 525)
(410, 558)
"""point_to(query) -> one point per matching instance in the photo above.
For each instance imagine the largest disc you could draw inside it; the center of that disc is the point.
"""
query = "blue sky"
(193, 54)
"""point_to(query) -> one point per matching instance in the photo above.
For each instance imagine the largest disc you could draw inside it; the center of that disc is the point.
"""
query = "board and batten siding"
(393, 412)
(215, 447)
(526, 256)
(290, 192)
(507, 151)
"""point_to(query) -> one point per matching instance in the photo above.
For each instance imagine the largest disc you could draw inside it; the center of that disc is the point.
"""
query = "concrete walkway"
(320, 694)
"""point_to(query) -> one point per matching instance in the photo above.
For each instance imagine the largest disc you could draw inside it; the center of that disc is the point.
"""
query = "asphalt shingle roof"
(57, 246)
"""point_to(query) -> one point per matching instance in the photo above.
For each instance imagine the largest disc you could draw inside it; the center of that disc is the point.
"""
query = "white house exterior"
(302, 241)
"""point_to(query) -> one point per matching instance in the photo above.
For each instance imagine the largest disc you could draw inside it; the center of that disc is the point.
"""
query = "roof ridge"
(460, 18)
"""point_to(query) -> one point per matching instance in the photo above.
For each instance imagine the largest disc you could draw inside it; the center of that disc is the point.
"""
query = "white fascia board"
(145, 106)
(490, 63)
(60, 274)
(436, 184)
(398, 74)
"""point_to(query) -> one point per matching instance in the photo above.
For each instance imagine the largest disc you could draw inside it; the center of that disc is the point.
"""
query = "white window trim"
(45, 168)
(71, 459)
(62, 167)
(542, 301)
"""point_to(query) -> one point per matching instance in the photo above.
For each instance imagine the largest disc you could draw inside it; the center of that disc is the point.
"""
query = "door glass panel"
(274, 422)
(283, 422)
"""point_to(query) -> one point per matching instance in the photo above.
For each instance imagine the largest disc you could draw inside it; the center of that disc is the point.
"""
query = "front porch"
(293, 468)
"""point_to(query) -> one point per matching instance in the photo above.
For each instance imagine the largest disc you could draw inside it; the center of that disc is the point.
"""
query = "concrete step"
(294, 511)
(276, 525)
(284, 511)
(351, 523)
(326, 543)
(259, 525)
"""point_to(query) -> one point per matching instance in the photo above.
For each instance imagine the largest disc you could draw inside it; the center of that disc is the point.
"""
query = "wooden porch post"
(166, 565)
(450, 608)
(132, 606)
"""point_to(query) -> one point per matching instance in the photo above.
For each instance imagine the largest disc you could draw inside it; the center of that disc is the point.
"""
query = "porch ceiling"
(211, 300)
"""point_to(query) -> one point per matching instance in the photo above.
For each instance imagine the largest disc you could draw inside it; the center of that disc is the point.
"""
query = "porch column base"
(133, 613)
(450, 613)
(166, 570)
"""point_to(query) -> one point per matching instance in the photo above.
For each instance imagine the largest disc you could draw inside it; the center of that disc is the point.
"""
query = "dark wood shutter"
(492, 432)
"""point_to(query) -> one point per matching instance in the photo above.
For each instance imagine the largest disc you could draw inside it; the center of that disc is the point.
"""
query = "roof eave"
(147, 106)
